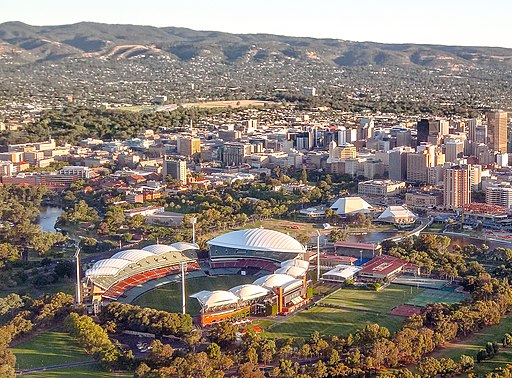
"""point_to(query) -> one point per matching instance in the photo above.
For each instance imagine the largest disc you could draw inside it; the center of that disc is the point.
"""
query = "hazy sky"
(469, 22)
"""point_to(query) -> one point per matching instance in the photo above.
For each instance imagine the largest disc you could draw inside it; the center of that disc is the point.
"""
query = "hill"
(22, 43)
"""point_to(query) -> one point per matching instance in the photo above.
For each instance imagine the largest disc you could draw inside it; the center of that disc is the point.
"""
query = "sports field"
(436, 296)
(366, 300)
(49, 348)
(471, 345)
(168, 297)
(327, 321)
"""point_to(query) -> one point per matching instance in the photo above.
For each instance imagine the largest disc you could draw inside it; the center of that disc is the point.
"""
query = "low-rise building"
(380, 188)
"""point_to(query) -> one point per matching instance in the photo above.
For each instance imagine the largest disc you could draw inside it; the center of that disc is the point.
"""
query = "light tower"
(78, 286)
(317, 256)
(183, 299)
(193, 222)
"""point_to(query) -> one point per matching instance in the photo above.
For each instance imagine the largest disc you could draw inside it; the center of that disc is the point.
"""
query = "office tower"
(417, 165)
(350, 135)
(398, 163)
(497, 130)
(454, 150)
(403, 138)
(471, 125)
(234, 153)
(457, 187)
(422, 128)
(189, 147)
(342, 136)
(177, 169)
(365, 129)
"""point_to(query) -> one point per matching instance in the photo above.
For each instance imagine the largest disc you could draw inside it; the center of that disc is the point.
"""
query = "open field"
(49, 348)
(436, 296)
(471, 345)
(225, 104)
(382, 301)
(327, 321)
(88, 371)
(168, 297)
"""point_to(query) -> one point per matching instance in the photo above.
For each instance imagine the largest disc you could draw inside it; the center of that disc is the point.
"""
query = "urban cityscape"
(182, 203)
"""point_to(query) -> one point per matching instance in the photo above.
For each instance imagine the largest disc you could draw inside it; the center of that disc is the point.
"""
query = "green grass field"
(88, 371)
(168, 297)
(471, 345)
(49, 348)
(327, 321)
(382, 301)
(436, 296)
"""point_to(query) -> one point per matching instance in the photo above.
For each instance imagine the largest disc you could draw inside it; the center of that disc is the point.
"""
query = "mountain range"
(22, 43)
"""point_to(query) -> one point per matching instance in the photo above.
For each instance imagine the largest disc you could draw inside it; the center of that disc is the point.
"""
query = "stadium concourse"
(282, 292)
(108, 279)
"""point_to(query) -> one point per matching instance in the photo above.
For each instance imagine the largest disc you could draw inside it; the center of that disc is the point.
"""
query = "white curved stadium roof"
(294, 271)
(111, 263)
(259, 239)
(216, 298)
(133, 255)
(248, 291)
(273, 280)
(160, 249)
(182, 246)
(296, 262)
(102, 271)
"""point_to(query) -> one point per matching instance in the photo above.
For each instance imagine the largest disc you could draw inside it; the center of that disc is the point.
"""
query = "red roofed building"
(386, 267)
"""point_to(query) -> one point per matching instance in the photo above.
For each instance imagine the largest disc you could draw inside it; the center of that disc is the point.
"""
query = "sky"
(449, 22)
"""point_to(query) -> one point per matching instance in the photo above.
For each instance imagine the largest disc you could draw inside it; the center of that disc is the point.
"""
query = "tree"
(338, 234)
(467, 363)
(303, 238)
(304, 176)
(249, 370)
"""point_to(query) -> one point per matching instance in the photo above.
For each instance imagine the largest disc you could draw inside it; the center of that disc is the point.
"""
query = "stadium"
(276, 260)
(108, 279)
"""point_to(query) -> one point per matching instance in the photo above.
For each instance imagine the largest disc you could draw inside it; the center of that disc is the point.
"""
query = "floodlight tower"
(193, 222)
(317, 256)
(78, 285)
(183, 298)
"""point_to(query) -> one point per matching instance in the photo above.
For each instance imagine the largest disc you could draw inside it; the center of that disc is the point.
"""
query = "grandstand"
(109, 279)
(279, 293)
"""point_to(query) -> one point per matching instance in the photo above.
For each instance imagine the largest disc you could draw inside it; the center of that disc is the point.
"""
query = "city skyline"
(397, 21)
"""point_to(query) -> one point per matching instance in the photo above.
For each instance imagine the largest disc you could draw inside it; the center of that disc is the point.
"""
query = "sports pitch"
(436, 296)
(168, 297)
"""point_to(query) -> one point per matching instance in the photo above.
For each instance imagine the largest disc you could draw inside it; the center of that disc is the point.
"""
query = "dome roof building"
(351, 205)
(249, 292)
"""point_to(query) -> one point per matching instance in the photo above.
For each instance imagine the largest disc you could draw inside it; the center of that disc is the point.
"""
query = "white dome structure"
(132, 255)
(209, 299)
(182, 246)
(398, 215)
(248, 292)
(159, 249)
(273, 280)
(259, 239)
(351, 205)
(294, 271)
(296, 262)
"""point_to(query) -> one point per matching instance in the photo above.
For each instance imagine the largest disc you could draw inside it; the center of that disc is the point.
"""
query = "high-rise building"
(422, 129)
(417, 165)
(454, 150)
(234, 153)
(499, 195)
(457, 187)
(497, 130)
(189, 146)
(177, 169)
(398, 163)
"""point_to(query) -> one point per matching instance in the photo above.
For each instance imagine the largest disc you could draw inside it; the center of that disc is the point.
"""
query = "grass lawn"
(327, 321)
(471, 345)
(49, 348)
(168, 297)
(436, 296)
(382, 301)
(88, 371)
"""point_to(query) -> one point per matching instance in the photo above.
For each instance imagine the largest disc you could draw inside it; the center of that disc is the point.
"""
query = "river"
(48, 217)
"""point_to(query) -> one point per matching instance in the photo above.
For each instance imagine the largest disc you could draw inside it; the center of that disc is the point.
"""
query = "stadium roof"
(208, 299)
(343, 271)
(107, 267)
(248, 291)
(181, 246)
(159, 249)
(294, 271)
(273, 280)
(351, 205)
(132, 255)
(296, 262)
(259, 239)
